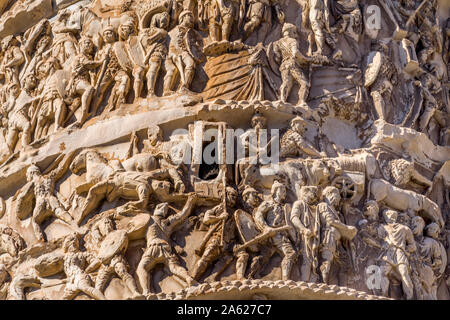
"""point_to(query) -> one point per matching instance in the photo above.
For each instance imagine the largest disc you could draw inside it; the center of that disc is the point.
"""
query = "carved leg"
(26, 133)
(303, 83)
(103, 276)
(212, 252)
(426, 117)
(241, 264)
(70, 293)
(152, 75)
(407, 285)
(286, 85)
(59, 210)
(327, 255)
(319, 36)
(85, 287)
(87, 92)
(178, 270)
(38, 216)
(170, 77)
(96, 194)
(261, 260)
(219, 267)
(123, 87)
(143, 270)
(305, 269)
(102, 88)
(379, 103)
(138, 74)
(123, 272)
(289, 258)
(11, 138)
(226, 26)
(189, 71)
(60, 114)
(384, 283)
(143, 191)
(214, 30)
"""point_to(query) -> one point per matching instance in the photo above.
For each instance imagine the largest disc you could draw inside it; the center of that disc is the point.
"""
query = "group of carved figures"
(58, 73)
(246, 226)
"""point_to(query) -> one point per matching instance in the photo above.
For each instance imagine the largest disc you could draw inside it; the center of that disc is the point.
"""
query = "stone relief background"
(109, 109)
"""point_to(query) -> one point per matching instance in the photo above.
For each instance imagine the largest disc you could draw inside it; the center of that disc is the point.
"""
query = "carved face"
(390, 216)
(30, 82)
(432, 230)
(161, 20)
(71, 244)
(33, 172)
(252, 199)
(14, 90)
(87, 46)
(417, 226)
(231, 197)
(188, 21)
(109, 36)
(309, 194)
(177, 152)
(279, 194)
(161, 210)
(125, 31)
(333, 197)
(106, 225)
(259, 122)
(371, 211)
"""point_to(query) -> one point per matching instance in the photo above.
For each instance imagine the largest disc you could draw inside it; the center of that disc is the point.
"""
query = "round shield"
(2, 207)
(113, 244)
(147, 17)
(373, 67)
(137, 226)
(49, 264)
(246, 227)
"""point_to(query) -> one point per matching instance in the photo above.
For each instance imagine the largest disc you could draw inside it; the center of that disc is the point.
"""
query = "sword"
(261, 237)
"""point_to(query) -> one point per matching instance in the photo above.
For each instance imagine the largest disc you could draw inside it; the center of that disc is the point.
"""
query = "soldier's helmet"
(258, 117)
(288, 27)
(247, 191)
(108, 28)
(276, 185)
(161, 209)
(184, 13)
(298, 120)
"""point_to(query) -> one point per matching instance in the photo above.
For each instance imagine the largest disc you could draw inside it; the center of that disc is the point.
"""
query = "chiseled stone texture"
(254, 149)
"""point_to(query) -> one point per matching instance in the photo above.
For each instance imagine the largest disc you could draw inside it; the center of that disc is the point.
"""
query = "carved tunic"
(330, 235)
(398, 239)
(75, 264)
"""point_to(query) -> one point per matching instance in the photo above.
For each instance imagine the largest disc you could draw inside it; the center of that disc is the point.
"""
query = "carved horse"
(110, 180)
(399, 199)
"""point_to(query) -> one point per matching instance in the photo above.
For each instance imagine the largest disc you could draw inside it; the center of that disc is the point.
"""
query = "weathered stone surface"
(224, 150)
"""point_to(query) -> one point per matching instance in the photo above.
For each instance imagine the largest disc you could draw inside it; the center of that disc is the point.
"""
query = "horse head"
(85, 157)
(79, 162)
